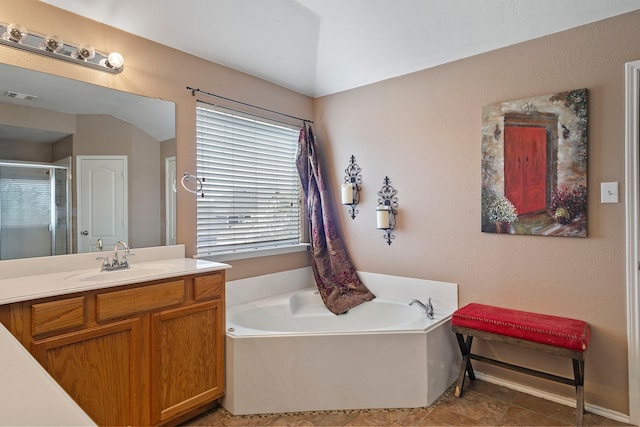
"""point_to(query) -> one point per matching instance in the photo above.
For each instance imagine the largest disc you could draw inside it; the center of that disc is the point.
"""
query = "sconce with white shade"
(17, 36)
(386, 211)
(350, 190)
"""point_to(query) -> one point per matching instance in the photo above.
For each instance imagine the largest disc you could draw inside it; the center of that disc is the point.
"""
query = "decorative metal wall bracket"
(351, 186)
(386, 212)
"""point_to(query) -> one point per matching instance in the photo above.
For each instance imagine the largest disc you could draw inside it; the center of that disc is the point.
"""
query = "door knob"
(85, 233)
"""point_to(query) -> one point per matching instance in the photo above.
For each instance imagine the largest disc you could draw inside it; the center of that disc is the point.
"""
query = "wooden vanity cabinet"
(99, 368)
(186, 368)
(145, 354)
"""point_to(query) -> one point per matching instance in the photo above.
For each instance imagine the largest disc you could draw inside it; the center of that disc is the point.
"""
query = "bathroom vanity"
(143, 346)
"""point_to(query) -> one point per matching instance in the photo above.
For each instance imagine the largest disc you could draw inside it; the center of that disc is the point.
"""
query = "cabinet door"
(99, 368)
(187, 359)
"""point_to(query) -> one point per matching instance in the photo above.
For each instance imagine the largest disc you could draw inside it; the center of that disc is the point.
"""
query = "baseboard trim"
(563, 400)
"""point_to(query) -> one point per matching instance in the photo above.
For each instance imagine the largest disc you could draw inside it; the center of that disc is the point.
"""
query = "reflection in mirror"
(48, 123)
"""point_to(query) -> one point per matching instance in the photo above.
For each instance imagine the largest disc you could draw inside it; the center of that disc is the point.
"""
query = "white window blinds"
(251, 185)
(25, 197)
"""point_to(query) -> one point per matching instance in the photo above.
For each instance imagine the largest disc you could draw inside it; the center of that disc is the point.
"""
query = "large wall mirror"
(82, 166)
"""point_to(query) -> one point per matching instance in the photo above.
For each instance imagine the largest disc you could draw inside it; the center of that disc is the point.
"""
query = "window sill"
(254, 253)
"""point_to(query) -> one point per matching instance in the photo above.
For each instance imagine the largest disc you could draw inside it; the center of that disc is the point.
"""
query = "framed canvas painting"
(534, 165)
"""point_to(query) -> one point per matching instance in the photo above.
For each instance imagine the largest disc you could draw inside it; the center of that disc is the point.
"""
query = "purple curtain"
(336, 278)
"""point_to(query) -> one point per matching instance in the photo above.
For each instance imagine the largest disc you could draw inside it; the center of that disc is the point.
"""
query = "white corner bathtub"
(285, 352)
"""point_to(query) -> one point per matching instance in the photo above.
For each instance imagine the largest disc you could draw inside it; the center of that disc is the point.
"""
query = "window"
(251, 185)
(25, 197)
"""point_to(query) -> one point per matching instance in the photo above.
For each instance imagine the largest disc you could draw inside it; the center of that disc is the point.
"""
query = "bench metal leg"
(465, 364)
(577, 358)
(578, 373)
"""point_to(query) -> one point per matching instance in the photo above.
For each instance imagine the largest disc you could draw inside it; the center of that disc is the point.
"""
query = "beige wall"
(39, 119)
(36, 118)
(424, 131)
(25, 151)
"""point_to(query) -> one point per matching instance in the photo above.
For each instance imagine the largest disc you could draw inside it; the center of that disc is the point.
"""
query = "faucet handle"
(429, 309)
(105, 261)
(123, 258)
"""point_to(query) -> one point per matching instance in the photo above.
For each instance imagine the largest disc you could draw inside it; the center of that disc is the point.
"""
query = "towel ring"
(187, 177)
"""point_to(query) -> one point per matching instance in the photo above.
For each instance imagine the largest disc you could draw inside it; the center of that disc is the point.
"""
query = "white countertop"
(29, 396)
(24, 288)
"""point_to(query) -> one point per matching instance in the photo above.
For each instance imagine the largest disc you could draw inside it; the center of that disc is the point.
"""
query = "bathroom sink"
(133, 272)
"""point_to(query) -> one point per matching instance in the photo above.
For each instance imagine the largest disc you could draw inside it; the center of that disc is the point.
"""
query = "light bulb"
(52, 43)
(84, 52)
(15, 33)
(115, 61)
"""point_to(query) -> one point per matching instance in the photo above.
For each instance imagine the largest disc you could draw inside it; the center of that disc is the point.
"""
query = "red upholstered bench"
(560, 336)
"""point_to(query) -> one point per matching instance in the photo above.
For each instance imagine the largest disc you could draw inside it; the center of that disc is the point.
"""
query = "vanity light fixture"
(386, 212)
(17, 36)
(351, 187)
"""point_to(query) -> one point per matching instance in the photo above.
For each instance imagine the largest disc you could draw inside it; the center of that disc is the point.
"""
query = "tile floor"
(482, 404)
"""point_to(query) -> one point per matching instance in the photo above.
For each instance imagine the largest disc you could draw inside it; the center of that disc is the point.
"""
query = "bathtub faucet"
(428, 308)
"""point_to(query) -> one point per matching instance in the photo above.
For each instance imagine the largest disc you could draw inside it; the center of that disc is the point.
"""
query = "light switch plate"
(608, 192)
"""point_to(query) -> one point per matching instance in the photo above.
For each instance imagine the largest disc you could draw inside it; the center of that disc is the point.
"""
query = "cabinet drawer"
(207, 287)
(131, 301)
(57, 315)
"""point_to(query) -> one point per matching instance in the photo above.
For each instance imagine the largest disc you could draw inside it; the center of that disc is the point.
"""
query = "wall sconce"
(17, 36)
(351, 187)
(385, 212)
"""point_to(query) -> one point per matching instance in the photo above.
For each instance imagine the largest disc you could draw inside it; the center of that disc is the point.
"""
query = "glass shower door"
(33, 210)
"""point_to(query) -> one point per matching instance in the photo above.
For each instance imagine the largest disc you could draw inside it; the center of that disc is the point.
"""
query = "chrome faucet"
(121, 263)
(116, 263)
(428, 308)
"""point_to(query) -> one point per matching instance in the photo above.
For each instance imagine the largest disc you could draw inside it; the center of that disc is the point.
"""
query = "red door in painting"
(525, 167)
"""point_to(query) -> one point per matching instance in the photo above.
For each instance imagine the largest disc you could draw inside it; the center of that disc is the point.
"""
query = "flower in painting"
(502, 210)
(562, 215)
(573, 199)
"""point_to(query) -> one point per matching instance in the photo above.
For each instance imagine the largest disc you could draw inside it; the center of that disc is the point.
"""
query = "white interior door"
(101, 201)
(170, 199)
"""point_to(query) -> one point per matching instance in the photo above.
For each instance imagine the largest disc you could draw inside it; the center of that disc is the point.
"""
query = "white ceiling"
(319, 47)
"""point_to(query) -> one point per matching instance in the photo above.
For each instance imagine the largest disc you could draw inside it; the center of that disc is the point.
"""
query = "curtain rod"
(193, 93)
